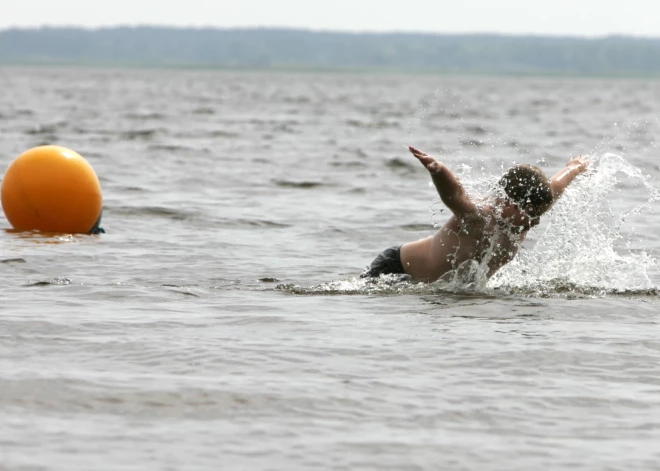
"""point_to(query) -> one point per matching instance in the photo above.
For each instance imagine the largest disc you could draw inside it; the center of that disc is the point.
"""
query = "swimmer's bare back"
(467, 235)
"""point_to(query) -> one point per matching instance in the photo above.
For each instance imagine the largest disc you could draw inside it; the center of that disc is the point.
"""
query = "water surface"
(219, 323)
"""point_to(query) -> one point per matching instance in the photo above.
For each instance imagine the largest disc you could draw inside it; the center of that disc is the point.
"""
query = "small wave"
(159, 211)
(183, 290)
(13, 260)
(358, 190)
(381, 124)
(302, 185)
(260, 223)
(145, 116)
(132, 189)
(285, 128)
(352, 163)
(140, 134)
(220, 133)
(543, 102)
(203, 111)
(170, 148)
(401, 164)
(44, 129)
(273, 122)
(54, 281)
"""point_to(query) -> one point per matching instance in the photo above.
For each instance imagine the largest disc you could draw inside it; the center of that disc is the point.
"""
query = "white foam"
(585, 241)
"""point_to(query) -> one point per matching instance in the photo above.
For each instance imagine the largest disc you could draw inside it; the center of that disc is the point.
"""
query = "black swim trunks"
(387, 263)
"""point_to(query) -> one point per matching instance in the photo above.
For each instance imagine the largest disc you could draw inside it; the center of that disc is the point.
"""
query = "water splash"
(389, 286)
(587, 244)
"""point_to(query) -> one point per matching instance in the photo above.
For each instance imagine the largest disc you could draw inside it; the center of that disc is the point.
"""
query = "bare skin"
(474, 232)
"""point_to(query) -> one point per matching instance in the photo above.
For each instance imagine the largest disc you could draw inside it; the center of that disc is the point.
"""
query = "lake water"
(219, 324)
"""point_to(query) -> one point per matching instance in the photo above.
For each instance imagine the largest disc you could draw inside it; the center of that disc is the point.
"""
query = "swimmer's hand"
(579, 163)
(432, 165)
(449, 187)
(565, 176)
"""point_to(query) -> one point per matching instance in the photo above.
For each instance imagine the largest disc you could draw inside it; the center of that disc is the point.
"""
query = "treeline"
(282, 48)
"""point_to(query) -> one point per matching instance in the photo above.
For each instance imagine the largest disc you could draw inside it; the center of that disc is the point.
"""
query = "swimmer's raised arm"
(449, 188)
(565, 176)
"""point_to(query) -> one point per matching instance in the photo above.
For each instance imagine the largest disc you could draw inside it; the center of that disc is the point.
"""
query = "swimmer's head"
(528, 188)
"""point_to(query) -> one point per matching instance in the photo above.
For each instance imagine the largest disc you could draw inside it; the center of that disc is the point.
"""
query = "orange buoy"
(52, 189)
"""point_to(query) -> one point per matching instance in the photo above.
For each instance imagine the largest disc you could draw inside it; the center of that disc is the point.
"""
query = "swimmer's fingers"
(581, 163)
(584, 161)
(429, 162)
(417, 153)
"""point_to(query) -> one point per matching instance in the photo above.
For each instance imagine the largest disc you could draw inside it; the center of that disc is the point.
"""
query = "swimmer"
(484, 232)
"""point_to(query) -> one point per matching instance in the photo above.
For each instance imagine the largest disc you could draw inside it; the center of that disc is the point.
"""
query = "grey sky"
(573, 17)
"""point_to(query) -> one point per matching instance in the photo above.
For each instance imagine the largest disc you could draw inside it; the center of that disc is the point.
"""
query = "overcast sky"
(559, 17)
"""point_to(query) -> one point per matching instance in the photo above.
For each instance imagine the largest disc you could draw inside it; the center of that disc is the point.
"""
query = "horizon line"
(324, 31)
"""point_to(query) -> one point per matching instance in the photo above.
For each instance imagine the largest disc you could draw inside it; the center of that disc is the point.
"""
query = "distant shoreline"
(313, 70)
(285, 50)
